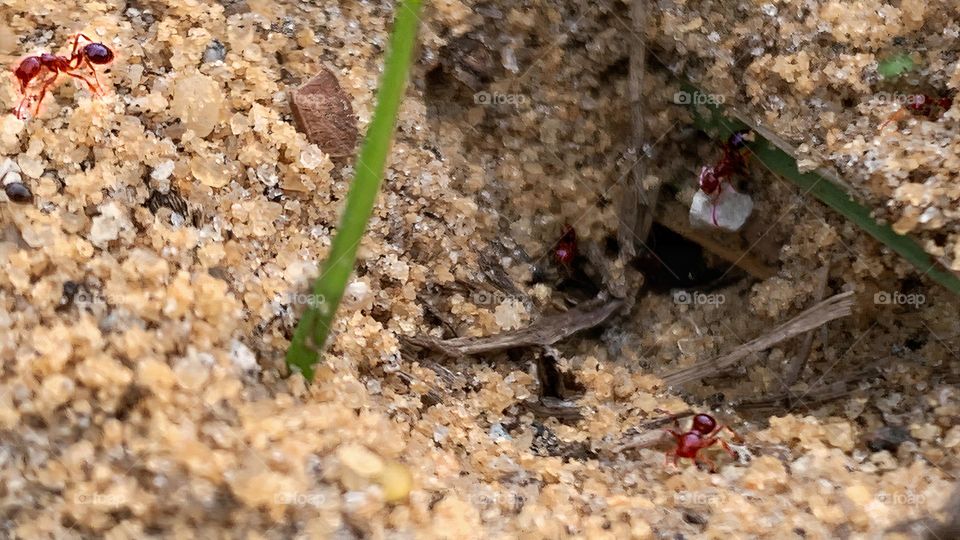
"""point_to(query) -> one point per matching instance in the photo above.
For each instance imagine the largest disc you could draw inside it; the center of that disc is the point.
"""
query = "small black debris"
(70, 290)
(172, 200)
(18, 193)
(888, 438)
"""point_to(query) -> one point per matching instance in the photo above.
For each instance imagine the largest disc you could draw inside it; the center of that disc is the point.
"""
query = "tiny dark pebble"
(219, 273)
(888, 438)
(18, 193)
(234, 7)
(694, 519)
(70, 289)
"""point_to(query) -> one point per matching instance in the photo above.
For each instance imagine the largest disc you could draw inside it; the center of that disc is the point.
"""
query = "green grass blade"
(314, 327)
(894, 66)
(711, 120)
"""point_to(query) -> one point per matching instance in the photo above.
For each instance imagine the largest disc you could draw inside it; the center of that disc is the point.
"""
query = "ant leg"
(93, 87)
(76, 43)
(726, 447)
(96, 77)
(710, 463)
(43, 91)
(736, 436)
(19, 112)
(716, 431)
(723, 444)
(666, 460)
(895, 117)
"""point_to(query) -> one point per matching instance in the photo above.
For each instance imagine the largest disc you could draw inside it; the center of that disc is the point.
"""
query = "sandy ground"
(148, 293)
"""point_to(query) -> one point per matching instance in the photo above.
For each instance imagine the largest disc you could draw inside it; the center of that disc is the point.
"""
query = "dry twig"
(545, 331)
(649, 433)
(832, 308)
(638, 204)
(800, 360)
(792, 400)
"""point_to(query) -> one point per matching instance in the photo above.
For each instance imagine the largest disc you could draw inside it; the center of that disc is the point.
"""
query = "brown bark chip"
(323, 112)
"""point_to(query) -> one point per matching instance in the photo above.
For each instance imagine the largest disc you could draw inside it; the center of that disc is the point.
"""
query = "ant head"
(703, 423)
(98, 53)
(708, 180)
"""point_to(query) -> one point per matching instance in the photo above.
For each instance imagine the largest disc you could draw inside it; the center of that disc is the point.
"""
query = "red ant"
(702, 434)
(922, 105)
(565, 250)
(31, 67)
(733, 161)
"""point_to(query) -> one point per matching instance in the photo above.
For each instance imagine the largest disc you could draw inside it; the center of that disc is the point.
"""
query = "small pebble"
(361, 461)
(18, 193)
(163, 170)
(498, 433)
(888, 438)
(396, 481)
(197, 102)
(323, 112)
(215, 52)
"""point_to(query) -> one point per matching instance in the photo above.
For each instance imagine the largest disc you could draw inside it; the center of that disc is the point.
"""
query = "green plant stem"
(314, 327)
(779, 162)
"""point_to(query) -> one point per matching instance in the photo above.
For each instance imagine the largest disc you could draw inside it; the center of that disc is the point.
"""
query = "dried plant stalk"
(832, 308)
(638, 203)
(546, 331)
(800, 360)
